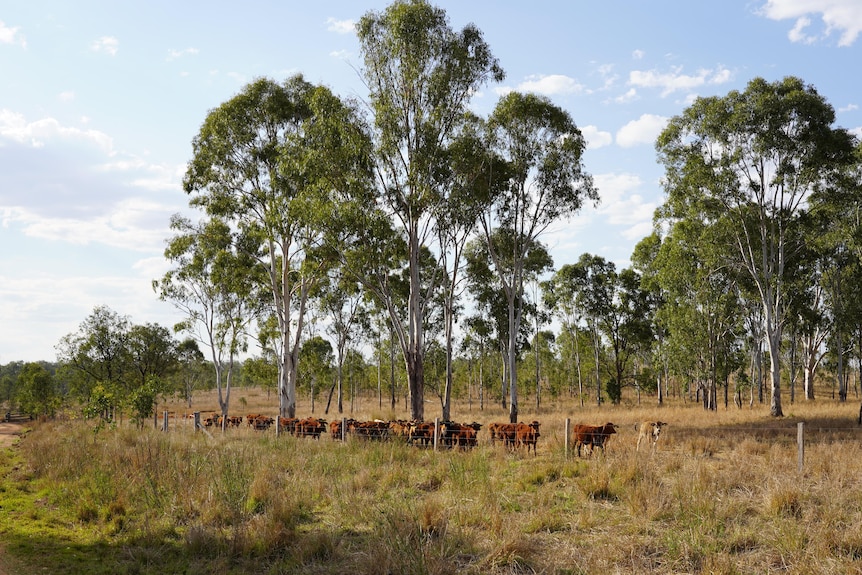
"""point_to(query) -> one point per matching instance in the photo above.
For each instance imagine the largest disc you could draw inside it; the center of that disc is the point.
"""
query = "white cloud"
(675, 80)
(9, 35)
(340, 54)
(550, 85)
(797, 33)
(857, 132)
(638, 54)
(644, 130)
(848, 108)
(15, 127)
(622, 204)
(844, 16)
(596, 138)
(66, 96)
(107, 44)
(67, 184)
(174, 54)
(629, 96)
(340, 26)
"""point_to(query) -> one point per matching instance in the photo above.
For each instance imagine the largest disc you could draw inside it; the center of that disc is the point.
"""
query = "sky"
(100, 102)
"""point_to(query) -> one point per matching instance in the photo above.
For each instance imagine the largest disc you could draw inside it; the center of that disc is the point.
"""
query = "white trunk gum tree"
(757, 156)
(421, 75)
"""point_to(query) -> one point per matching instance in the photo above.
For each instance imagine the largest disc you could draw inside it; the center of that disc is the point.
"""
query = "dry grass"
(720, 494)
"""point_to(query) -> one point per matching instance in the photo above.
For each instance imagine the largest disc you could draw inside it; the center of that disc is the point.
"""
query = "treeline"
(410, 228)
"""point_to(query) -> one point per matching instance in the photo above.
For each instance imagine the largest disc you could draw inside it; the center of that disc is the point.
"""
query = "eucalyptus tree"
(589, 282)
(546, 182)
(213, 284)
(420, 74)
(756, 157)
(271, 161)
(560, 295)
(344, 303)
(97, 357)
(484, 275)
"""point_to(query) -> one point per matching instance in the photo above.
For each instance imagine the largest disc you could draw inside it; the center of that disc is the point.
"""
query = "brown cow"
(461, 435)
(310, 427)
(423, 432)
(592, 435)
(527, 434)
(505, 432)
(649, 431)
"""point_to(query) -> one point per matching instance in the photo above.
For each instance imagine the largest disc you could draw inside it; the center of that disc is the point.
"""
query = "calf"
(592, 435)
(527, 434)
(649, 431)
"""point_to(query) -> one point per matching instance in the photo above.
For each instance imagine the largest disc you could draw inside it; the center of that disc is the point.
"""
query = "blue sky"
(99, 103)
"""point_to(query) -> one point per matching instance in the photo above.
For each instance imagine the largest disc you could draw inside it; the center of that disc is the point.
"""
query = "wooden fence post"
(343, 429)
(164, 421)
(800, 444)
(568, 424)
(436, 423)
(197, 420)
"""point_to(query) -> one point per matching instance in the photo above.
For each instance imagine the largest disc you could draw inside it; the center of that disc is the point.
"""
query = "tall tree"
(547, 182)
(421, 75)
(756, 157)
(212, 284)
(269, 161)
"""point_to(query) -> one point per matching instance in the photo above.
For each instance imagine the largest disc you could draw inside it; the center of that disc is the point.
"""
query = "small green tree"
(37, 393)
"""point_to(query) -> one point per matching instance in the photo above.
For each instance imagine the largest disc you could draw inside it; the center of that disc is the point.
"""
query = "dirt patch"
(9, 432)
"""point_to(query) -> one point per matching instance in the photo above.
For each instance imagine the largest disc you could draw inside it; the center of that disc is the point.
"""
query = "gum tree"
(271, 162)
(542, 148)
(756, 157)
(421, 75)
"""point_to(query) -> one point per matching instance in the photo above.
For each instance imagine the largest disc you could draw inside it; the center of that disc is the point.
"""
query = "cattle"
(375, 429)
(505, 432)
(421, 432)
(287, 424)
(527, 434)
(592, 435)
(400, 428)
(462, 435)
(310, 427)
(649, 431)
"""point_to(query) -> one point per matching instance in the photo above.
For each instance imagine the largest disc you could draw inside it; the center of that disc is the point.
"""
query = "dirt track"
(9, 432)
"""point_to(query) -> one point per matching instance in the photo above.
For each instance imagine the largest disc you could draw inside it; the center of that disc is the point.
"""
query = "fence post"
(197, 420)
(164, 421)
(436, 423)
(343, 429)
(800, 443)
(568, 423)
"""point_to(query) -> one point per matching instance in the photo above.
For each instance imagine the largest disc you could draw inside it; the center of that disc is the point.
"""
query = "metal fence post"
(800, 443)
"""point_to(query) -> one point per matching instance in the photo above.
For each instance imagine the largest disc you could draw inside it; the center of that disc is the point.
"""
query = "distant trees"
(112, 364)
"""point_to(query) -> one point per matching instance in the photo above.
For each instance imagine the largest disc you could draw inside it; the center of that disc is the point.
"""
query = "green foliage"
(36, 391)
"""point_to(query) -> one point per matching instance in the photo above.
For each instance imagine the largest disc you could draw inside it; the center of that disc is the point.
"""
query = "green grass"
(130, 501)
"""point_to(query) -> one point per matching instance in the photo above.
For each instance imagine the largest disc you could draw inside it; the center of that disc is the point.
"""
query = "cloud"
(848, 108)
(10, 35)
(550, 85)
(857, 132)
(644, 130)
(638, 55)
(630, 96)
(596, 138)
(174, 54)
(66, 96)
(106, 44)
(340, 26)
(63, 183)
(340, 54)
(845, 16)
(675, 80)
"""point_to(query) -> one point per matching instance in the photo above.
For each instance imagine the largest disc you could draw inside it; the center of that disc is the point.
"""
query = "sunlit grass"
(721, 493)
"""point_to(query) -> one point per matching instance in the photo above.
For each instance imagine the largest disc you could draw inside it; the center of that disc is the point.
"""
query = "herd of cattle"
(448, 434)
